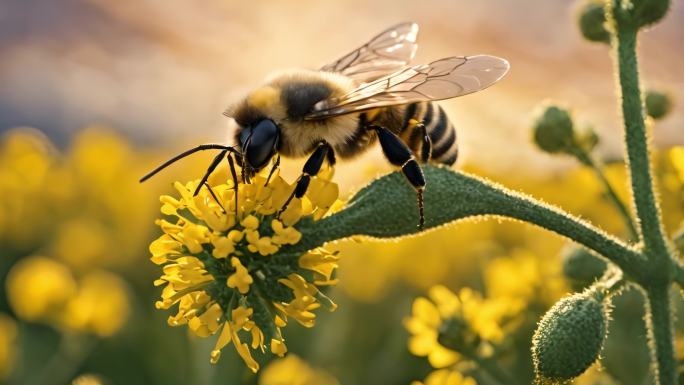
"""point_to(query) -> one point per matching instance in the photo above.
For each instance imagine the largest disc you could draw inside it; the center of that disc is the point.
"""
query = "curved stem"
(587, 159)
(643, 194)
(659, 326)
(384, 210)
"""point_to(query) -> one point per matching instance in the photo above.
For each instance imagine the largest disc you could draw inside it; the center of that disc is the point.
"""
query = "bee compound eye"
(261, 143)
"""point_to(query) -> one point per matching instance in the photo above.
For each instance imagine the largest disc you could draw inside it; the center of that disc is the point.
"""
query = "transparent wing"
(385, 53)
(442, 79)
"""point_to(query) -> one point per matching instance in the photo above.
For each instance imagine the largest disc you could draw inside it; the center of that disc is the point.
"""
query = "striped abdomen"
(440, 130)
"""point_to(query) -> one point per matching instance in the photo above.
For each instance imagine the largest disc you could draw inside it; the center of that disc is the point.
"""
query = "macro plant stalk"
(586, 158)
(658, 275)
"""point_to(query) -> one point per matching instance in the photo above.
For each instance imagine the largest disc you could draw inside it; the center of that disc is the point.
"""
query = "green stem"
(586, 158)
(383, 210)
(73, 350)
(494, 371)
(659, 326)
(643, 194)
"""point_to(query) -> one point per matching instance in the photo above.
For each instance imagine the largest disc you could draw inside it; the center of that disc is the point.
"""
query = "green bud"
(647, 12)
(592, 21)
(658, 104)
(638, 13)
(553, 130)
(569, 338)
(581, 267)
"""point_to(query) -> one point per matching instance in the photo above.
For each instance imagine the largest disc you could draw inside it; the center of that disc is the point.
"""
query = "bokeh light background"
(116, 86)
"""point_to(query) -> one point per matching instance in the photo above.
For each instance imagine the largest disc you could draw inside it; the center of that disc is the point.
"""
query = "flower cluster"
(227, 267)
(448, 327)
(40, 289)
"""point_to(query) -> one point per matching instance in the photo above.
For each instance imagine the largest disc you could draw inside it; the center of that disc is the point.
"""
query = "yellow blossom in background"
(469, 323)
(38, 288)
(292, 370)
(82, 242)
(446, 377)
(522, 277)
(26, 157)
(78, 203)
(100, 305)
(8, 336)
(221, 265)
(42, 289)
(87, 379)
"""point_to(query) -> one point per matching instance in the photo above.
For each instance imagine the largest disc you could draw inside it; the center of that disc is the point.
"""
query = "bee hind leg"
(398, 154)
(311, 168)
(426, 148)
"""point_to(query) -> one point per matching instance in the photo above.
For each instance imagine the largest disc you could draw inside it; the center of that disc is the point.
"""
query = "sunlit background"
(94, 93)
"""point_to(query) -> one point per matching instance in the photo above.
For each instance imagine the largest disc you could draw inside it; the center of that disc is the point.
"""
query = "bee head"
(258, 143)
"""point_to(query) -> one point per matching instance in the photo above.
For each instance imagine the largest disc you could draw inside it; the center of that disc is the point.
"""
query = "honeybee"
(340, 110)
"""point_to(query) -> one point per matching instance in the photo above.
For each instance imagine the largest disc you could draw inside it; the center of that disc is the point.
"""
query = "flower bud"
(553, 130)
(638, 13)
(569, 338)
(647, 12)
(581, 267)
(592, 21)
(658, 104)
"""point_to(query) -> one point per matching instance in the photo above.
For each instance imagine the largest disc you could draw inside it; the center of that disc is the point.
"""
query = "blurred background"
(95, 93)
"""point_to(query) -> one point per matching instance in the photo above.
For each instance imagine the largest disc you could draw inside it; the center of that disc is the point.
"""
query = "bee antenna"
(183, 154)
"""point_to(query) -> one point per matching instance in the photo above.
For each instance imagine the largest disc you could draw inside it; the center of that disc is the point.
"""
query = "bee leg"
(275, 167)
(426, 148)
(398, 154)
(213, 194)
(233, 173)
(212, 167)
(311, 168)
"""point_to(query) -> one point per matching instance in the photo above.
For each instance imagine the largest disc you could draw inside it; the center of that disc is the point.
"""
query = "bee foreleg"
(233, 173)
(275, 166)
(311, 168)
(398, 153)
(212, 167)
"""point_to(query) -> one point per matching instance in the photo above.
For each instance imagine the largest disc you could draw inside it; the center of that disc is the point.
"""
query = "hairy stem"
(643, 192)
(659, 325)
(384, 209)
(595, 165)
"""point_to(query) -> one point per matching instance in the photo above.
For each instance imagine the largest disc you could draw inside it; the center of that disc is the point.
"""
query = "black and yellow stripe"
(440, 130)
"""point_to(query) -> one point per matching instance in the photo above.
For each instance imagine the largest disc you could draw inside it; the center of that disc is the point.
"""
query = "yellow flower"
(322, 262)
(446, 377)
(278, 348)
(8, 336)
(262, 245)
(38, 288)
(241, 278)
(100, 305)
(304, 302)
(81, 242)
(292, 370)
(523, 277)
(466, 322)
(211, 264)
(285, 235)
